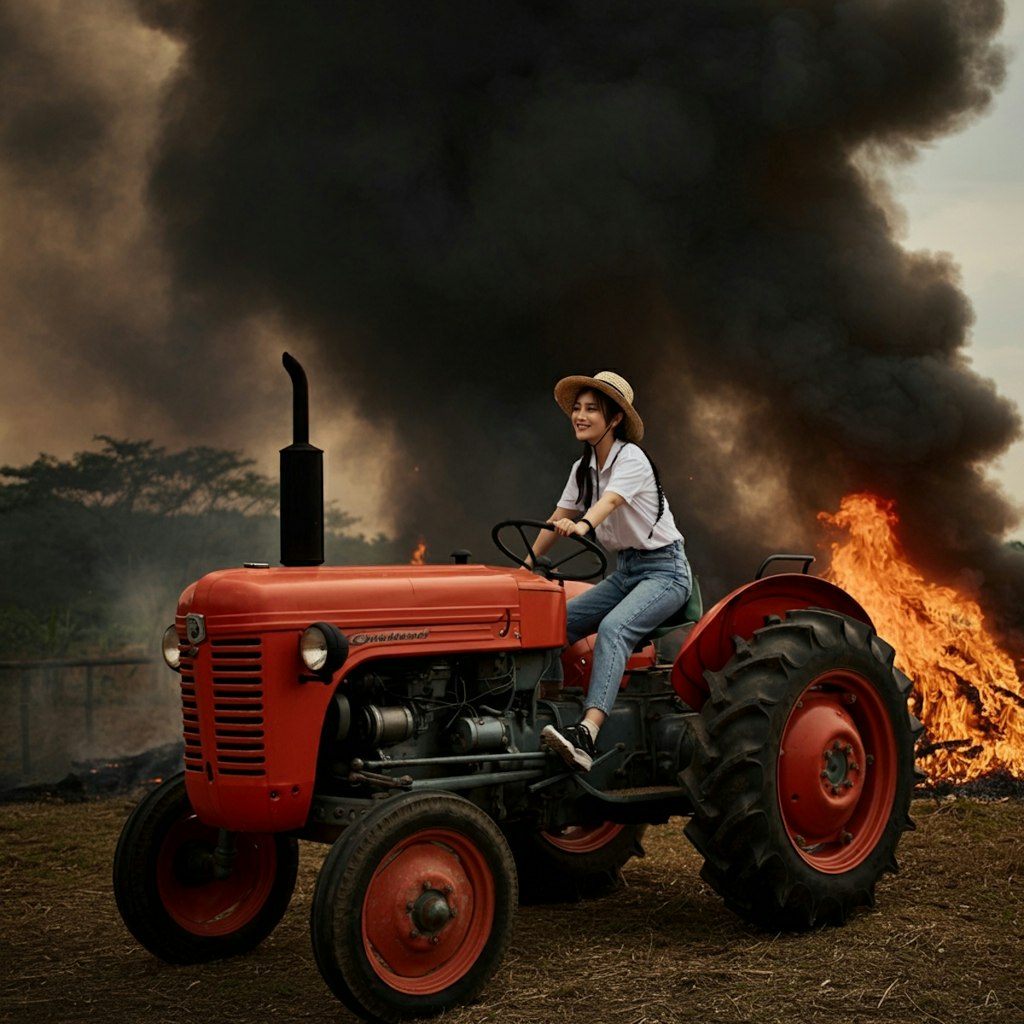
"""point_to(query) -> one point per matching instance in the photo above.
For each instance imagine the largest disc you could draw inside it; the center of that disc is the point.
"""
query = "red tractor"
(395, 712)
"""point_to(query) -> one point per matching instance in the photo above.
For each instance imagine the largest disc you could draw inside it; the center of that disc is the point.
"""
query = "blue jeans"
(644, 590)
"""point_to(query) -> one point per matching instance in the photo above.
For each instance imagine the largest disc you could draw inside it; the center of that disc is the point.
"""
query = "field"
(943, 944)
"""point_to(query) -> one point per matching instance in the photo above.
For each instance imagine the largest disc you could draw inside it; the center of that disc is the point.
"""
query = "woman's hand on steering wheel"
(567, 527)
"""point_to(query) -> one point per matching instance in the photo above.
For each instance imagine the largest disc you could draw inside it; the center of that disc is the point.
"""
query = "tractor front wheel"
(803, 771)
(414, 907)
(184, 901)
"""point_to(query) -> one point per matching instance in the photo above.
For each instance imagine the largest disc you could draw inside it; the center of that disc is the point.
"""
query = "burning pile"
(967, 690)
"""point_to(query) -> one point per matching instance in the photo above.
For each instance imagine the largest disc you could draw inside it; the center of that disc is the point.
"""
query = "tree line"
(95, 549)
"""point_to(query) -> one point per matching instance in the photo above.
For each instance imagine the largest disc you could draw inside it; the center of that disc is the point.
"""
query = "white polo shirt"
(627, 472)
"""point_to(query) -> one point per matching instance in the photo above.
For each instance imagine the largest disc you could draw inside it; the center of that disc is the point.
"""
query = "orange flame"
(967, 691)
(419, 554)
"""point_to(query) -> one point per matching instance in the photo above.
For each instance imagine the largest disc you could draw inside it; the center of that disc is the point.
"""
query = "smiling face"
(592, 416)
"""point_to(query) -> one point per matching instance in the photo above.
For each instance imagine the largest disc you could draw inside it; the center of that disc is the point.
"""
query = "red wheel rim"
(428, 912)
(837, 772)
(579, 839)
(198, 901)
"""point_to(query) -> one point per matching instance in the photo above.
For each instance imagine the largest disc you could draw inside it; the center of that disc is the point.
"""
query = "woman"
(613, 492)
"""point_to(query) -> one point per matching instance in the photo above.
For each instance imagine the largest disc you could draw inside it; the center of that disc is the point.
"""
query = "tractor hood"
(384, 605)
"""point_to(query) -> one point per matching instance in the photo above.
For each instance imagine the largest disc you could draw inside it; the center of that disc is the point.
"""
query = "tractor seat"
(685, 616)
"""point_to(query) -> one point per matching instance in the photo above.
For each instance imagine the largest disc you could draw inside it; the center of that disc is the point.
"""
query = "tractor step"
(643, 791)
(637, 805)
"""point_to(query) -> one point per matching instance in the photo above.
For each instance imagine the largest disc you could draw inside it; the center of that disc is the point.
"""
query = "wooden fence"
(55, 714)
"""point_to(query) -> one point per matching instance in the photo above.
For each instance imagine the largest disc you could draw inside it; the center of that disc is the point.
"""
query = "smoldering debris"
(104, 777)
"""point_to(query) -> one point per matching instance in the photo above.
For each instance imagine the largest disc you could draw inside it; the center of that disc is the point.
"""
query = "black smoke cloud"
(462, 202)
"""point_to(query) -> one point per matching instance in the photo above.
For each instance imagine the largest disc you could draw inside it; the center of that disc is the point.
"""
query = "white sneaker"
(573, 745)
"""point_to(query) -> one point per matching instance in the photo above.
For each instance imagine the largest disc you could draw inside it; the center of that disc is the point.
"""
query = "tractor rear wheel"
(173, 898)
(803, 771)
(414, 907)
(574, 862)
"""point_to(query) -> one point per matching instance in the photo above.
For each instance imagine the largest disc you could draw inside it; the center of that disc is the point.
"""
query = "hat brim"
(568, 388)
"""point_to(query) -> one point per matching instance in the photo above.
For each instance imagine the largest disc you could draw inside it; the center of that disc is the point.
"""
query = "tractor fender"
(711, 644)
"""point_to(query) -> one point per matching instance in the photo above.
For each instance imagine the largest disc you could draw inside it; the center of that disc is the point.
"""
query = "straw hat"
(611, 384)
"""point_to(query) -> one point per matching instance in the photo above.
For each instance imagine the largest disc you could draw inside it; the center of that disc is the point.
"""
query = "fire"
(967, 691)
(419, 554)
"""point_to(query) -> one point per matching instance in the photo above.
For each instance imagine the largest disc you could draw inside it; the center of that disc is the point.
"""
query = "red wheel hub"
(428, 911)
(195, 898)
(837, 771)
(580, 839)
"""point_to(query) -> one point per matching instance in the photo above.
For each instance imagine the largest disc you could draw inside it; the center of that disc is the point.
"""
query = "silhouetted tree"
(95, 549)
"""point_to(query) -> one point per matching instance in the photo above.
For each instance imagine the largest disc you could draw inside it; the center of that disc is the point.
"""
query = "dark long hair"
(584, 484)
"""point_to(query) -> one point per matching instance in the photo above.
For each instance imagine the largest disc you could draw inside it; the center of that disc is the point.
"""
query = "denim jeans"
(644, 590)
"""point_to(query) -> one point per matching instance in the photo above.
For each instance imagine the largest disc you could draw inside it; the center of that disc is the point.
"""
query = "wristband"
(584, 519)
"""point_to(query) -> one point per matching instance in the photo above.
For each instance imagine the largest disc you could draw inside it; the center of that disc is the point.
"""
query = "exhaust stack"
(302, 482)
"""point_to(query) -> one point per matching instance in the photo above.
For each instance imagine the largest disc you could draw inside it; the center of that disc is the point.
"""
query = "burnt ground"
(944, 943)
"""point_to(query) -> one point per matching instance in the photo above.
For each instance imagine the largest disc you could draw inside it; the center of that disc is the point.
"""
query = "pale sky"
(966, 197)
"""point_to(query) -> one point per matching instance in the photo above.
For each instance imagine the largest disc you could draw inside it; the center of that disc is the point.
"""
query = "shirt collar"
(617, 445)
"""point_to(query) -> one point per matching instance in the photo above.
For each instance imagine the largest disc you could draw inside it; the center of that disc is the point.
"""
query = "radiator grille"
(236, 686)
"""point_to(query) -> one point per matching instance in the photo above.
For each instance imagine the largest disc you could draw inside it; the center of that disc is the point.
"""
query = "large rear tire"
(414, 907)
(803, 771)
(171, 895)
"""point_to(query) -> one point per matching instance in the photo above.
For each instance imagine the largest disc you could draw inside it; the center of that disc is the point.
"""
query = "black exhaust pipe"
(302, 482)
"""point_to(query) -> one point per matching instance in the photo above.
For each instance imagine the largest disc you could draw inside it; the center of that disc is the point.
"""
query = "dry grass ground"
(943, 945)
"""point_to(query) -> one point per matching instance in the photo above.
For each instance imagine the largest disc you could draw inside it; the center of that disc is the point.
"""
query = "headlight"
(169, 648)
(323, 648)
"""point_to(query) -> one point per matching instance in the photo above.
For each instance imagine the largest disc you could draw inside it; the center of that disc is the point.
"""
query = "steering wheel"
(548, 568)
